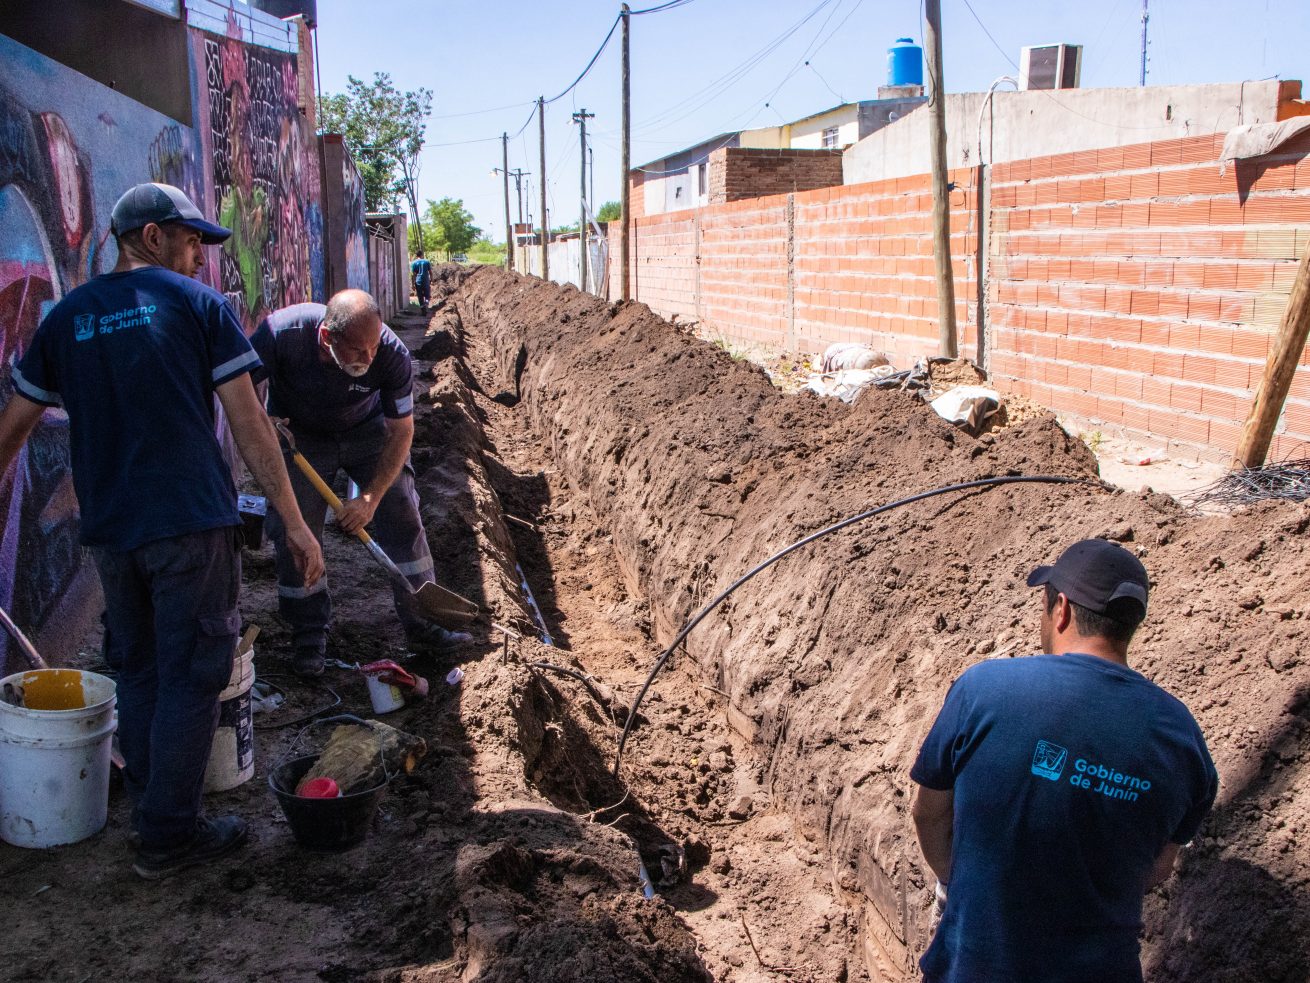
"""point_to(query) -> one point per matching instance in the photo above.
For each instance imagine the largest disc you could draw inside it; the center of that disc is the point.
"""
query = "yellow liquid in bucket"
(53, 689)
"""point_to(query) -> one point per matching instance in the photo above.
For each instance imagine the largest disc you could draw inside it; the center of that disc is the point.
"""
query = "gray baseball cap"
(160, 203)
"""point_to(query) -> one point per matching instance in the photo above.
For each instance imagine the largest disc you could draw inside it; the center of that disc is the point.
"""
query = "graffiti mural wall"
(68, 148)
(356, 247)
(263, 180)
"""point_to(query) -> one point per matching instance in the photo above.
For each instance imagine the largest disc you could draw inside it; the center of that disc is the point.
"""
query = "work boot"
(308, 661)
(213, 838)
(430, 635)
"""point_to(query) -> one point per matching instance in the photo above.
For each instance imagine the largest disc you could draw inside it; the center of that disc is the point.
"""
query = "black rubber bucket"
(323, 824)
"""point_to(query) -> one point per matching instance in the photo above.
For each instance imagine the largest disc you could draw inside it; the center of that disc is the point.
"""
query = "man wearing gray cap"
(1055, 790)
(135, 357)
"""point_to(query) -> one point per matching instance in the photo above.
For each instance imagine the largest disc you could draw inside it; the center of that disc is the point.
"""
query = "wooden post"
(625, 219)
(941, 204)
(504, 173)
(1289, 343)
(545, 223)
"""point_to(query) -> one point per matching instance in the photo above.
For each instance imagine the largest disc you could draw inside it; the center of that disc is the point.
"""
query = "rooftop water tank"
(905, 63)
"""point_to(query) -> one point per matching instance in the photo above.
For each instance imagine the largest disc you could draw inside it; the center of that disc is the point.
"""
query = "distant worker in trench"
(344, 383)
(135, 357)
(420, 274)
(1055, 790)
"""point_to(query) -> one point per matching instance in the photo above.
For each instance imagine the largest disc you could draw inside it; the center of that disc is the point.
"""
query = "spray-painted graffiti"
(356, 249)
(68, 148)
(264, 175)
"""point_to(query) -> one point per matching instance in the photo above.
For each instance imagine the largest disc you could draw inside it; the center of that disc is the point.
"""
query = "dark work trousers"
(422, 290)
(397, 527)
(171, 607)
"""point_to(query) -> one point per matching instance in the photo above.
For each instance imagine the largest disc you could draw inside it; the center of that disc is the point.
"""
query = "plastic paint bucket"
(232, 756)
(54, 756)
(385, 696)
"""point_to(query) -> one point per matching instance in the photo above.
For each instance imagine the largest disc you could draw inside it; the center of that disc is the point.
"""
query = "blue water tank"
(905, 63)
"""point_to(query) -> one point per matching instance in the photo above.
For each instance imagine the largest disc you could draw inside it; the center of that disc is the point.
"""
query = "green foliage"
(486, 251)
(611, 211)
(562, 230)
(447, 228)
(384, 130)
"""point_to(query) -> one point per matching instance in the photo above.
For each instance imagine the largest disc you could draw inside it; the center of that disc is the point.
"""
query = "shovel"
(433, 601)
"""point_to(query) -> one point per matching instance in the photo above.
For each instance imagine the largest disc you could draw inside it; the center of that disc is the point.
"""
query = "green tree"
(450, 229)
(611, 211)
(384, 129)
(486, 251)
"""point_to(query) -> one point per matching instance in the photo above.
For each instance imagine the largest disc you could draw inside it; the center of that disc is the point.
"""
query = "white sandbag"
(967, 406)
(850, 355)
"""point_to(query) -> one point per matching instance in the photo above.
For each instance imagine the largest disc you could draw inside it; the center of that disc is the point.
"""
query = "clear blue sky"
(480, 54)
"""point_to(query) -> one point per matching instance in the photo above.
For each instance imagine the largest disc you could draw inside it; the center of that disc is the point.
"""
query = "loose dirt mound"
(835, 661)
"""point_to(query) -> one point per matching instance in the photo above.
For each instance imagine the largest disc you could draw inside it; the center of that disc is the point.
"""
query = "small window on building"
(700, 178)
(677, 192)
(830, 137)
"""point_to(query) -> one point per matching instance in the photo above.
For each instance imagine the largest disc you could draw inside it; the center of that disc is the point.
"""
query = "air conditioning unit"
(1051, 66)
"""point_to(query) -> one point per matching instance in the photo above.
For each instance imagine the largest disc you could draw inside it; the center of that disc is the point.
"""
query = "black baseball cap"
(1093, 573)
(160, 203)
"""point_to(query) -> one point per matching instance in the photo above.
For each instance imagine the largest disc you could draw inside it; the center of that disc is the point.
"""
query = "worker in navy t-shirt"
(420, 272)
(344, 383)
(135, 358)
(1055, 790)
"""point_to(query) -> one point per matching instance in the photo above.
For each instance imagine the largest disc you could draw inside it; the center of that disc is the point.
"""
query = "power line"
(1046, 92)
(664, 6)
(590, 63)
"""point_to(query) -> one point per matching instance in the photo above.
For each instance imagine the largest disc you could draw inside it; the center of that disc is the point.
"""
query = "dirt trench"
(832, 664)
(628, 472)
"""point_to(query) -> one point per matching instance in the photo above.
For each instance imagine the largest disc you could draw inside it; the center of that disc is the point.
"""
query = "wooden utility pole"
(1284, 356)
(941, 203)
(545, 224)
(509, 231)
(581, 117)
(625, 215)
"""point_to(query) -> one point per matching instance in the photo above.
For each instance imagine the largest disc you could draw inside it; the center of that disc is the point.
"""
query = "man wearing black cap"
(1055, 790)
(135, 357)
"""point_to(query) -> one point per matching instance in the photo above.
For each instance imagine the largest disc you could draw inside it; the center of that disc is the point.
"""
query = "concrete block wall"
(1132, 288)
(1138, 288)
(750, 172)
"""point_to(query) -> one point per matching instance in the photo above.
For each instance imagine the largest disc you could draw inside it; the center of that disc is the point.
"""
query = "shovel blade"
(444, 607)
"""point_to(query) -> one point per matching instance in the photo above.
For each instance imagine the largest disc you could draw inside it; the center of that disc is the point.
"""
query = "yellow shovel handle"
(321, 486)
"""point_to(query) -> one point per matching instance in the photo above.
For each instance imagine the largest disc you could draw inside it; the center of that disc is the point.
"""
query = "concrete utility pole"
(509, 231)
(625, 214)
(545, 224)
(941, 203)
(518, 174)
(1146, 16)
(1284, 355)
(581, 117)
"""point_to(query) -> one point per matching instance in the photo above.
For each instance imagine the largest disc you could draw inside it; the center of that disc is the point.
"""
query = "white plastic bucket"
(232, 756)
(54, 756)
(385, 696)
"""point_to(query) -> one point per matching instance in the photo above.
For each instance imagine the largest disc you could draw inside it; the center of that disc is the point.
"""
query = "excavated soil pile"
(835, 661)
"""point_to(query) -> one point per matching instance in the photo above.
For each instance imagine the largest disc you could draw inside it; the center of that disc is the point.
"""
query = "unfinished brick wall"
(1138, 288)
(1132, 288)
(737, 173)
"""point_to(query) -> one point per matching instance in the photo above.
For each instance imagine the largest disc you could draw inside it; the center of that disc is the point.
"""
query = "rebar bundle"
(1287, 480)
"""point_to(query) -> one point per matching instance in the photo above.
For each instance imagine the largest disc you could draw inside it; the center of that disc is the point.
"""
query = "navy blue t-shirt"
(315, 395)
(1071, 774)
(134, 358)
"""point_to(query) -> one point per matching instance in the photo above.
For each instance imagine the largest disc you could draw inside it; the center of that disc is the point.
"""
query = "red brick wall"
(1134, 287)
(1138, 288)
(749, 172)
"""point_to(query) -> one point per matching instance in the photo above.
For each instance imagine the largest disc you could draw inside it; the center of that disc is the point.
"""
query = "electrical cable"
(664, 6)
(590, 63)
(705, 611)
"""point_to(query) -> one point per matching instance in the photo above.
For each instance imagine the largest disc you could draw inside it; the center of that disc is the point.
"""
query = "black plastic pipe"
(700, 616)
